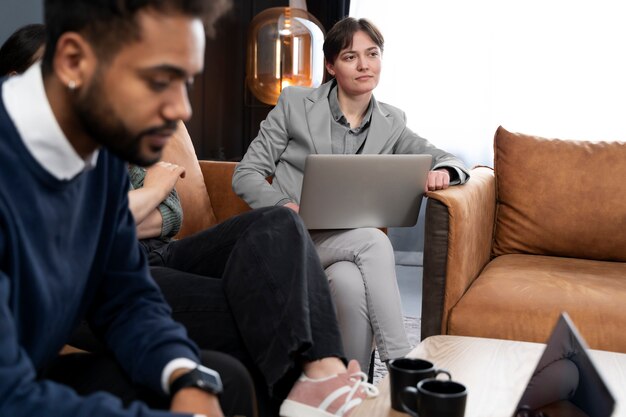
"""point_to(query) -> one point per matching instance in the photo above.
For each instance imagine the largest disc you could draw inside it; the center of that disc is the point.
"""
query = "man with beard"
(112, 87)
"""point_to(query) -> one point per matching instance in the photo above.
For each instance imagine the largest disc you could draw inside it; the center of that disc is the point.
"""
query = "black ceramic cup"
(407, 372)
(435, 398)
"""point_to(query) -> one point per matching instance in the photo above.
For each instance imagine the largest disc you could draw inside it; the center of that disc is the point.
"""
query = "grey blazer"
(299, 125)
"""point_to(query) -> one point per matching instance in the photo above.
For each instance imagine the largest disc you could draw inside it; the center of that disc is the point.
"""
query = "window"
(460, 68)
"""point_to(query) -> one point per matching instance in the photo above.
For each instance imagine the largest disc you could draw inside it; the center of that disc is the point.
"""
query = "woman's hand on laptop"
(293, 206)
(439, 179)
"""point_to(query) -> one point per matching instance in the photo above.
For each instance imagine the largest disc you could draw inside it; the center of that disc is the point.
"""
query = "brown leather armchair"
(543, 232)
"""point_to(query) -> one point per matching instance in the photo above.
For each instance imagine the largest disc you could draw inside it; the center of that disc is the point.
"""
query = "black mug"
(407, 372)
(435, 398)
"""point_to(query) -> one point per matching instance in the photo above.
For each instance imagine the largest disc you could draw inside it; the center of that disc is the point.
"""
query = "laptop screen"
(565, 382)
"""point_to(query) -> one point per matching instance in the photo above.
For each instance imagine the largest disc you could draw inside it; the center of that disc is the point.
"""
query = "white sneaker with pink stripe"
(335, 396)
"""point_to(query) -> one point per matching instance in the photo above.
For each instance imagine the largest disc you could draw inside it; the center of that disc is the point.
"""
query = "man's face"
(132, 103)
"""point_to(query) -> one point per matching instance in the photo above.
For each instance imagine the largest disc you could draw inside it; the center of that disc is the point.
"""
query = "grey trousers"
(360, 266)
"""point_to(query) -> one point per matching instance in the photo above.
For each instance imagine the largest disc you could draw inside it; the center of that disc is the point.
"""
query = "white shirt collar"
(26, 102)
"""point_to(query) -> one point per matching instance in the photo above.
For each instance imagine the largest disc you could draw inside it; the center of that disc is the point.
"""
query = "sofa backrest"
(559, 197)
(194, 198)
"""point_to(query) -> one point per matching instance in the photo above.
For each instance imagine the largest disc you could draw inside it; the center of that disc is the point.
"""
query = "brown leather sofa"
(205, 192)
(543, 232)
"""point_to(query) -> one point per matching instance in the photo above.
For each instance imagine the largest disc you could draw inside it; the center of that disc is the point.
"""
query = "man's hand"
(195, 401)
(438, 179)
(293, 206)
(164, 176)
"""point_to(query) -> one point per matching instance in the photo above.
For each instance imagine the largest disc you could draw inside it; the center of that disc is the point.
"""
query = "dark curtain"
(329, 12)
(226, 116)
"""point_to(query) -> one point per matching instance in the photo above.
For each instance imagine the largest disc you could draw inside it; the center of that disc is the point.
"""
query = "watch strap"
(201, 377)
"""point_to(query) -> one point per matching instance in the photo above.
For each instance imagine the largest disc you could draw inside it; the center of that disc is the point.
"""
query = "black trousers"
(88, 373)
(253, 287)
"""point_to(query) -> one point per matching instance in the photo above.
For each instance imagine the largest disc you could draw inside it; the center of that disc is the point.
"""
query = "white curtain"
(460, 68)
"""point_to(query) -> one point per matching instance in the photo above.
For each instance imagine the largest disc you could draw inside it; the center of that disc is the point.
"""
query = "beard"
(100, 122)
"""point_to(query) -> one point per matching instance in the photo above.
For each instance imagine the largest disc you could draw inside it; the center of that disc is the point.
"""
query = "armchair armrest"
(457, 245)
(218, 176)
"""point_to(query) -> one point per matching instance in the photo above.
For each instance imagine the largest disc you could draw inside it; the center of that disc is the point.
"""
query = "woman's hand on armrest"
(439, 179)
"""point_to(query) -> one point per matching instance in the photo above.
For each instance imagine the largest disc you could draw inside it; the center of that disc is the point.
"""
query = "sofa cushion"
(519, 297)
(560, 197)
(194, 198)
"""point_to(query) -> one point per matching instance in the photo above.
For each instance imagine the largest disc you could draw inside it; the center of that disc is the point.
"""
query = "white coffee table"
(495, 373)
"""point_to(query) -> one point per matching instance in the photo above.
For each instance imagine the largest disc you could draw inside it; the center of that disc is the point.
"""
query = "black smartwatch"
(201, 377)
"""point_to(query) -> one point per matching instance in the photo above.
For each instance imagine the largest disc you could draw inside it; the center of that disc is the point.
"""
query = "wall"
(17, 13)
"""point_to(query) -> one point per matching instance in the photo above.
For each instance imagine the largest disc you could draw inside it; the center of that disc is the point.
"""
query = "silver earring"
(71, 85)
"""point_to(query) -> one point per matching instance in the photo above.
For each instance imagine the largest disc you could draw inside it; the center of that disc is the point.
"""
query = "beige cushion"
(561, 198)
(194, 198)
(519, 297)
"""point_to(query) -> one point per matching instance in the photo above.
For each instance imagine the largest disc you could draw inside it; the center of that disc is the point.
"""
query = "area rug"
(412, 326)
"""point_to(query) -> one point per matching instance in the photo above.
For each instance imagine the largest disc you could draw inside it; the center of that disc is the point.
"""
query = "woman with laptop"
(343, 117)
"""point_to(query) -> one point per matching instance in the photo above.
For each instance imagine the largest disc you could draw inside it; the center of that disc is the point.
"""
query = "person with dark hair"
(342, 116)
(68, 246)
(229, 283)
(22, 49)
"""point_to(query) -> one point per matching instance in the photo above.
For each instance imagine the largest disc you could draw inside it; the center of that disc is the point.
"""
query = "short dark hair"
(17, 52)
(340, 36)
(110, 24)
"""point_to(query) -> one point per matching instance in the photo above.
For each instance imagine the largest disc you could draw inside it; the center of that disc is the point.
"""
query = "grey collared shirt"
(343, 138)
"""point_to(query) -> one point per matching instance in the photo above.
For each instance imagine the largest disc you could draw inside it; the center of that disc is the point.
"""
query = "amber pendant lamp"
(284, 48)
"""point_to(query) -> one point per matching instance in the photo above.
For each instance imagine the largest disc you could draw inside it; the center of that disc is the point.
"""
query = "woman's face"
(357, 68)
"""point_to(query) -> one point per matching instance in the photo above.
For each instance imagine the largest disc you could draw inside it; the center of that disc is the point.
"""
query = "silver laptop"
(565, 383)
(352, 191)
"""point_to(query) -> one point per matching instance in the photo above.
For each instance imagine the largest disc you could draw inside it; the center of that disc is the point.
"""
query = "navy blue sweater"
(68, 251)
